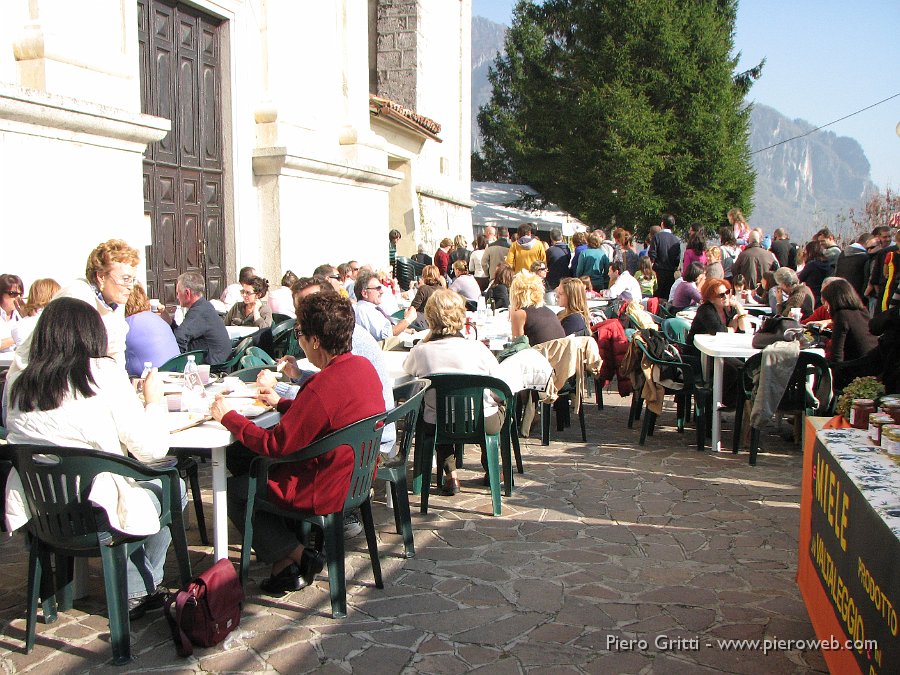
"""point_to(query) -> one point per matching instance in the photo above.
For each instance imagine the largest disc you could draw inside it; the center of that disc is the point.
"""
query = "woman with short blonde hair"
(527, 313)
(445, 350)
(432, 279)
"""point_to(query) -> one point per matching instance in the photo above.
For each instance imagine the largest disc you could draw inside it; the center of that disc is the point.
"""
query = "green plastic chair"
(693, 387)
(676, 329)
(254, 356)
(235, 358)
(281, 337)
(249, 374)
(66, 524)
(177, 363)
(365, 439)
(280, 318)
(406, 416)
(459, 408)
(796, 397)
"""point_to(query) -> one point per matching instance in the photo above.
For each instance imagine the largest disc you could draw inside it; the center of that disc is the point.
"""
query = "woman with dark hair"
(695, 251)
(729, 248)
(72, 394)
(850, 334)
(11, 292)
(498, 292)
(252, 310)
(475, 266)
(815, 270)
(687, 293)
(431, 281)
(345, 390)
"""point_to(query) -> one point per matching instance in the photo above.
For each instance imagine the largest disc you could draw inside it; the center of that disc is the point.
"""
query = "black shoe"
(450, 487)
(286, 580)
(137, 607)
(311, 563)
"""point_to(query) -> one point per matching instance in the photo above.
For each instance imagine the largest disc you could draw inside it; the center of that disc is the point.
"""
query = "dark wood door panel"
(180, 80)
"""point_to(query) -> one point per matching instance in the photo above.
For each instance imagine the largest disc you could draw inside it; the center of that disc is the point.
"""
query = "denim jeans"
(145, 566)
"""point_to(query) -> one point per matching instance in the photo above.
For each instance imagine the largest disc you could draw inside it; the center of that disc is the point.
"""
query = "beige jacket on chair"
(570, 356)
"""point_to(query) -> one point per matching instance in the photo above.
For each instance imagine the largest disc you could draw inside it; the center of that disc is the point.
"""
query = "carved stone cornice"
(275, 161)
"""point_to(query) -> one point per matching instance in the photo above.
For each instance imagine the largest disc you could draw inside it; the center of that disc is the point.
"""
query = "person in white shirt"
(40, 294)
(72, 394)
(11, 291)
(621, 282)
(370, 315)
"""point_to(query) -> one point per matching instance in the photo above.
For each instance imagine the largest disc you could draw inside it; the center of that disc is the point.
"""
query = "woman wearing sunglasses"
(719, 312)
(11, 300)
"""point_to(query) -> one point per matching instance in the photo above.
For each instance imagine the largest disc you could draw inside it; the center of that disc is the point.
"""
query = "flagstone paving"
(609, 557)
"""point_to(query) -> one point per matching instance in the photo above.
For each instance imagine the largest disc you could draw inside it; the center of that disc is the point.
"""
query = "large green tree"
(622, 108)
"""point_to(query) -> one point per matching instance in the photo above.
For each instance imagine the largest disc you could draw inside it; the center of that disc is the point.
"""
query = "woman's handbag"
(777, 329)
(207, 610)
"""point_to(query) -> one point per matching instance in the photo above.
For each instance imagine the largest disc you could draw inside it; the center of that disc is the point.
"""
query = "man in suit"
(665, 252)
(853, 262)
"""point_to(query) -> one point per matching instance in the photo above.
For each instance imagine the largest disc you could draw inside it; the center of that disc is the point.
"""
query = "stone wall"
(397, 49)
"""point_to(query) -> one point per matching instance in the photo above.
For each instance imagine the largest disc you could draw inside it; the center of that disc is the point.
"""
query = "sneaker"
(352, 526)
(138, 607)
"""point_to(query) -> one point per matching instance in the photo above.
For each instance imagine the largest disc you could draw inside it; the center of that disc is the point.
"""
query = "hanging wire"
(794, 138)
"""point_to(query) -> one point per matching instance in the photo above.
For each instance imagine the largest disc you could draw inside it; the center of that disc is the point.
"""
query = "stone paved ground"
(601, 543)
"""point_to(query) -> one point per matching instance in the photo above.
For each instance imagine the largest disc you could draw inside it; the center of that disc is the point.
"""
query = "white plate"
(254, 411)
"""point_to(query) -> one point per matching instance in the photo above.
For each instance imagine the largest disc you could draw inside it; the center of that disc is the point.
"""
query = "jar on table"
(890, 439)
(892, 408)
(860, 410)
(877, 422)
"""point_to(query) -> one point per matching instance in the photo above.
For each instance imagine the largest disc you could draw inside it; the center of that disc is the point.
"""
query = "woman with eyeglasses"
(109, 277)
(345, 390)
(719, 312)
(10, 303)
(252, 310)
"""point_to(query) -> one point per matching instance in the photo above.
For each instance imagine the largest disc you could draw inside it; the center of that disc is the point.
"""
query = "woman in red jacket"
(346, 390)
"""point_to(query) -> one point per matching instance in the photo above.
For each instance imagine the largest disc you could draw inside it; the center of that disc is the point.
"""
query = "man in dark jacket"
(665, 252)
(853, 263)
(784, 250)
(754, 261)
(202, 327)
(558, 257)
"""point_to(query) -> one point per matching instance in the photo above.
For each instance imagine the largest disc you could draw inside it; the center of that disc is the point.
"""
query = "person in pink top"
(695, 250)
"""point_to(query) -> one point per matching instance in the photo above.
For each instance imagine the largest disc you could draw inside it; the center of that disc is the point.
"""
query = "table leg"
(220, 504)
(718, 371)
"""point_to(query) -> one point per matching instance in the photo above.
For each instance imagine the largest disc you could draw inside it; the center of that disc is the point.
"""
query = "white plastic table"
(214, 438)
(719, 347)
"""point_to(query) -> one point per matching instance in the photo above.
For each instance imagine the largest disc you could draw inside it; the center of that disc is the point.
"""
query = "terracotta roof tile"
(379, 105)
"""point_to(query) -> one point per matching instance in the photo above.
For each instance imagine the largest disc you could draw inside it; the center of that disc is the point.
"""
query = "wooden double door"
(180, 63)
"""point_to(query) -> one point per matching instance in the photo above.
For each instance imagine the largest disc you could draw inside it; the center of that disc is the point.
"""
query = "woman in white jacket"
(73, 394)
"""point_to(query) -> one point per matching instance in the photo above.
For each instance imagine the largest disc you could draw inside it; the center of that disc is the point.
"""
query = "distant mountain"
(802, 185)
(809, 182)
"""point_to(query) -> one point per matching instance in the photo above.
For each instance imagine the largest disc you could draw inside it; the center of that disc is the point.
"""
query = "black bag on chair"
(777, 329)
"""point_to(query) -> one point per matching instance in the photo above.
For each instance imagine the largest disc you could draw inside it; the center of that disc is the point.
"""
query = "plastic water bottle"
(139, 383)
(193, 395)
(481, 314)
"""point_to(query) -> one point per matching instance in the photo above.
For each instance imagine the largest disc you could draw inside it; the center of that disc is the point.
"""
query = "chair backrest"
(406, 271)
(249, 374)
(808, 373)
(459, 404)
(411, 394)
(176, 363)
(236, 355)
(254, 356)
(280, 318)
(676, 329)
(57, 481)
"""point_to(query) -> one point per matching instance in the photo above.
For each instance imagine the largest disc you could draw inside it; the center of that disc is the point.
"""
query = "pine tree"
(622, 109)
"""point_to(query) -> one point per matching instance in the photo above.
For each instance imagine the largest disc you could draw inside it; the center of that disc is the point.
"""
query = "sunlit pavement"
(609, 557)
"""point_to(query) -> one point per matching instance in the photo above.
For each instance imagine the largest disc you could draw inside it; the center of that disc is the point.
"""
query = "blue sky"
(824, 59)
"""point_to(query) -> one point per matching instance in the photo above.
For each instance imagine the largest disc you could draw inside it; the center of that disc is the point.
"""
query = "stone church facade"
(221, 133)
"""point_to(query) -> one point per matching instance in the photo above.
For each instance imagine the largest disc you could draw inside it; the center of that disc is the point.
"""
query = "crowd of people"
(76, 346)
